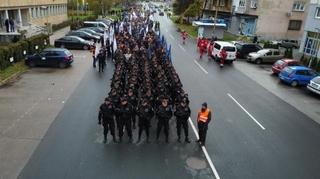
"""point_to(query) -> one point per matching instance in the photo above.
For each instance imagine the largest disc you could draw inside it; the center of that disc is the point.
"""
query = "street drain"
(196, 163)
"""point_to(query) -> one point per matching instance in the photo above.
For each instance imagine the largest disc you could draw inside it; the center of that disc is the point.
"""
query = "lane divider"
(171, 36)
(182, 48)
(204, 70)
(254, 119)
(213, 168)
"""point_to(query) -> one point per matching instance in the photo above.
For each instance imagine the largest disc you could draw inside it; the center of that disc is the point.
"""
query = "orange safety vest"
(203, 116)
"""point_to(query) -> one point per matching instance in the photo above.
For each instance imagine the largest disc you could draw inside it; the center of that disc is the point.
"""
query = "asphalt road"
(254, 134)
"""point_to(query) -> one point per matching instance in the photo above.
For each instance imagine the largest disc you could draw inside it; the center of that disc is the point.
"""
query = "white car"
(228, 47)
(314, 85)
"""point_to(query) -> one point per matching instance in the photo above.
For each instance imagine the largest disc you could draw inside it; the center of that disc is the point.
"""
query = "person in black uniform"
(182, 114)
(125, 112)
(164, 114)
(106, 119)
(101, 60)
(133, 101)
(145, 114)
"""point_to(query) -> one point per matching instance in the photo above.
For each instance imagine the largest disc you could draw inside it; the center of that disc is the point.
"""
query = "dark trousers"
(125, 123)
(7, 28)
(182, 123)
(11, 28)
(202, 127)
(144, 125)
(133, 118)
(163, 123)
(108, 124)
(94, 61)
(101, 66)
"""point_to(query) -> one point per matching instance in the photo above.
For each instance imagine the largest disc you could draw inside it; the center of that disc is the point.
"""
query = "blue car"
(58, 57)
(297, 75)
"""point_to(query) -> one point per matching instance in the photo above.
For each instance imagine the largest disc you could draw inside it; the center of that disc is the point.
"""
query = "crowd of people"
(145, 85)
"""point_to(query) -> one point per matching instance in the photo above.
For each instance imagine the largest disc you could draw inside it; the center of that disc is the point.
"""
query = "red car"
(281, 64)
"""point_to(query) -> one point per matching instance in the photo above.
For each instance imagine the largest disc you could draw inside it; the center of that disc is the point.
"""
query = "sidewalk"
(29, 105)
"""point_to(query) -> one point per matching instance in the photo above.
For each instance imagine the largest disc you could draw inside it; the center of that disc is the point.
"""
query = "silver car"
(314, 85)
(265, 55)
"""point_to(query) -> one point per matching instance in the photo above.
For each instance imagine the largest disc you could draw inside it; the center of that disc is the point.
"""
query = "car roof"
(288, 60)
(224, 43)
(55, 49)
(299, 68)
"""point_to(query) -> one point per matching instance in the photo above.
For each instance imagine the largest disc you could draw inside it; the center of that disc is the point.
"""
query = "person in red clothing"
(202, 47)
(223, 56)
(184, 36)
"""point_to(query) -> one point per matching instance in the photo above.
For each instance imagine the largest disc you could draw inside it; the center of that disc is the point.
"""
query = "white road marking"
(182, 48)
(171, 36)
(204, 70)
(254, 119)
(213, 168)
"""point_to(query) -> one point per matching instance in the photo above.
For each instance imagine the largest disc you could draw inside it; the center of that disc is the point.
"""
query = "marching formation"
(145, 85)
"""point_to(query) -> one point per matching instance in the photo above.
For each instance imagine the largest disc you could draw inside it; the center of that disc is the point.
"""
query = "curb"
(13, 76)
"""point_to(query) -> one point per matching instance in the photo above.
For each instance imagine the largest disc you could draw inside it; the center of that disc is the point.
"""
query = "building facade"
(270, 19)
(310, 43)
(223, 7)
(37, 12)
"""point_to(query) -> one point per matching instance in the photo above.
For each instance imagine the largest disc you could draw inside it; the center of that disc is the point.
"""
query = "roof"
(199, 23)
(224, 43)
(299, 68)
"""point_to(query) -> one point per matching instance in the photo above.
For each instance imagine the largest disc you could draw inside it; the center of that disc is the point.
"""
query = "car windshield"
(280, 62)
(230, 49)
(78, 38)
(239, 47)
(316, 80)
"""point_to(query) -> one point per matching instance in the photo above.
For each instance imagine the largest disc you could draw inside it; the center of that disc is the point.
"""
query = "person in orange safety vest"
(204, 117)
(202, 47)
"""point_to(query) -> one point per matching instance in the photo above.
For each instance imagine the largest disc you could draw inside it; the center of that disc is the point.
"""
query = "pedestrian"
(145, 113)
(133, 101)
(11, 25)
(202, 47)
(255, 39)
(101, 60)
(93, 52)
(164, 114)
(204, 118)
(182, 114)
(210, 49)
(7, 24)
(106, 119)
(125, 112)
(223, 57)
(184, 36)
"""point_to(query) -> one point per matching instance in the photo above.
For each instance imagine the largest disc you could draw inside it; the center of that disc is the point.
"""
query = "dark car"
(96, 29)
(57, 57)
(243, 49)
(289, 43)
(84, 35)
(72, 42)
(92, 32)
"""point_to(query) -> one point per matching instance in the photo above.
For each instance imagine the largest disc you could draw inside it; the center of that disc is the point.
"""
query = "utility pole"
(216, 15)
(204, 7)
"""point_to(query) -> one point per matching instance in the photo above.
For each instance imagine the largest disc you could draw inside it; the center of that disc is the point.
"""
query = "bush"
(16, 50)
(63, 24)
(288, 53)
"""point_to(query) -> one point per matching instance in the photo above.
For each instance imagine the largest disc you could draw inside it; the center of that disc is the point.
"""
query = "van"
(95, 24)
(229, 47)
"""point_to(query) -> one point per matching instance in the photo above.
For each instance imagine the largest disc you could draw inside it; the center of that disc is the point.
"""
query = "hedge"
(315, 64)
(63, 24)
(16, 50)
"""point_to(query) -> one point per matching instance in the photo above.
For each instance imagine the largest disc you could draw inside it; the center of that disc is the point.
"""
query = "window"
(269, 53)
(217, 46)
(222, 3)
(298, 6)
(301, 72)
(310, 47)
(318, 13)
(276, 53)
(242, 3)
(253, 4)
(295, 25)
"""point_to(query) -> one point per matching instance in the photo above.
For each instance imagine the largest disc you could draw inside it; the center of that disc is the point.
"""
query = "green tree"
(194, 10)
(179, 6)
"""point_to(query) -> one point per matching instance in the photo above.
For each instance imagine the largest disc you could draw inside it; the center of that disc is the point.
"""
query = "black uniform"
(203, 127)
(164, 114)
(102, 61)
(145, 114)
(133, 101)
(106, 115)
(182, 114)
(125, 113)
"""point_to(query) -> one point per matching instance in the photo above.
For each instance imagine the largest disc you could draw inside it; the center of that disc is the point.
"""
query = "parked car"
(92, 32)
(95, 24)
(96, 29)
(58, 57)
(105, 21)
(297, 75)
(281, 64)
(289, 43)
(72, 42)
(84, 35)
(243, 49)
(264, 55)
(229, 47)
(314, 85)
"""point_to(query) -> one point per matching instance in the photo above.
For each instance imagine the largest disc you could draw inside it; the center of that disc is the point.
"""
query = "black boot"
(114, 139)
(187, 140)
(120, 139)
(167, 140)
(148, 140)
(105, 139)
(179, 139)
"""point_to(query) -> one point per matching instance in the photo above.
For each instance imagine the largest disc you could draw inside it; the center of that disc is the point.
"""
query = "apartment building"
(37, 12)
(223, 7)
(269, 19)
(310, 43)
